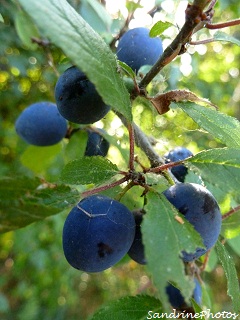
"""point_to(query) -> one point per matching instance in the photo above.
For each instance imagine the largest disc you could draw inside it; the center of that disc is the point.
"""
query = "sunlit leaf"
(220, 167)
(159, 27)
(231, 226)
(219, 125)
(89, 170)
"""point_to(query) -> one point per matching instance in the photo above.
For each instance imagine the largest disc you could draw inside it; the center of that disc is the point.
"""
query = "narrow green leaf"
(231, 274)
(220, 156)
(24, 200)
(220, 167)
(222, 36)
(129, 308)
(206, 297)
(171, 236)
(89, 170)
(1, 18)
(26, 30)
(127, 69)
(159, 27)
(96, 15)
(219, 125)
(197, 309)
(69, 31)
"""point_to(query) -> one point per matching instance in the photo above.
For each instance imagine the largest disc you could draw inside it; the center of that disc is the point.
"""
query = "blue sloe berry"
(177, 300)
(136, 252)
(201, 209)
(178, 153)
(41, 124)
(136, 48)
(97, 145)
(97, 233)
(77, 98)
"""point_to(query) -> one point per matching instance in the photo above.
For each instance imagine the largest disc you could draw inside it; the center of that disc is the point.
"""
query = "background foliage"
(36, 281)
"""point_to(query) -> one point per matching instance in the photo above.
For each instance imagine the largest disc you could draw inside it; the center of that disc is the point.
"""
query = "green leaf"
(219, 125)
(132, 6)
(129, 308)
(222, 36)
(220, 156)
(197, 308)
(235, 244)
(26, 30)
(159, 27)
(127, 69)
(164, 241)
(220, 167)
(231, 226)
(24, 200)
(76, 146)
(38, 159)
(96, 15)
(157, 182)
(89, 170)
(1, 18)
(231, 274)
(206, 299)
(69, 31)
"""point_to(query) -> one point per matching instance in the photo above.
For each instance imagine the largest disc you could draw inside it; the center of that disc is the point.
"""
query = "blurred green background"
(36, 281)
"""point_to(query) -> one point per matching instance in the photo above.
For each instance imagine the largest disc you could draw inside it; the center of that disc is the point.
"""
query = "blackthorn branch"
(195, 20)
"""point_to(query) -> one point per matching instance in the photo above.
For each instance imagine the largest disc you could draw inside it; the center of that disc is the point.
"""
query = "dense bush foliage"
(118, 159)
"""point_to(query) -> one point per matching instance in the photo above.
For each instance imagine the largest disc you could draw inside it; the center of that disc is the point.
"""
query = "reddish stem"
(223, 24)
(131, 146)
(205, 262)
(229, 213)
(212, 4)
(194, 43)
(166, 166)
(105, 187)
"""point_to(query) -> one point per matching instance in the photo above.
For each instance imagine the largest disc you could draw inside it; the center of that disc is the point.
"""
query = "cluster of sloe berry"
(45, 123)
(100, 231)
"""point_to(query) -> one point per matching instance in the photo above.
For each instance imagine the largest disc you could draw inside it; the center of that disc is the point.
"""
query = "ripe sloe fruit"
(97, 145)
(177, 300)
(136, 252)
(136, 48)
(41, 124)
(201, 209)
(97, 233)
(178, 153)
(77, 99)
